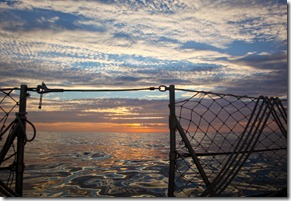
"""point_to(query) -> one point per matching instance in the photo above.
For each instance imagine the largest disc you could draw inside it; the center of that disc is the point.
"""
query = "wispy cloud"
(125, 43)
(226, 46)
(140, 114)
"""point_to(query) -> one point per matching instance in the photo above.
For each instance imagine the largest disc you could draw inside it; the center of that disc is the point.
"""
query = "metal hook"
(163, 88)
(42, 88)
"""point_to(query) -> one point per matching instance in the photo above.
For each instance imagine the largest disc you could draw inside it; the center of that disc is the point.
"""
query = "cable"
(218, 94)
(41, 89)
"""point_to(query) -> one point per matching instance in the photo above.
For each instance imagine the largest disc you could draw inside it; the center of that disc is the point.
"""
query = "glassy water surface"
(97, 164)
(60, 164)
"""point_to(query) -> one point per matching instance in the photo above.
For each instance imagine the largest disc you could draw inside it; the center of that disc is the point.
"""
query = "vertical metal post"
(21, 141)
(173, 154)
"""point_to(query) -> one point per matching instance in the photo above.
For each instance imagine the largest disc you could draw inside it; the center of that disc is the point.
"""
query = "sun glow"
(102, 127)
(117, 110)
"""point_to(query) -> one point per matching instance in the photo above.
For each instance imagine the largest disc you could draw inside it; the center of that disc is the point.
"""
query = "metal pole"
(192, 153)
(21, 141)
(173, 154)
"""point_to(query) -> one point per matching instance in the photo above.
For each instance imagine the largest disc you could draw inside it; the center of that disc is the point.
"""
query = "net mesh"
(8, 105)
(240, 143)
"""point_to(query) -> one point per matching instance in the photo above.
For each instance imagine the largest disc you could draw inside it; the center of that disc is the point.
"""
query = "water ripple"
(93, 165)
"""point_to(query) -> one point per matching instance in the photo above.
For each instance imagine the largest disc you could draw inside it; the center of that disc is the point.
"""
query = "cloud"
(265, 62)
(114, 43)
(117, 112)
(264, 74)
(145, 20)
(265, 85)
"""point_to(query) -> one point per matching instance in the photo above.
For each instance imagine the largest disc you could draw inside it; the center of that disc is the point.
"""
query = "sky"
(224, 46)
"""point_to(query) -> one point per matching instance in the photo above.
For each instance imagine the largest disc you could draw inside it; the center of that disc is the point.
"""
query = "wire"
(218, 94)
(41, 89)
(108, 90)
(9, 89)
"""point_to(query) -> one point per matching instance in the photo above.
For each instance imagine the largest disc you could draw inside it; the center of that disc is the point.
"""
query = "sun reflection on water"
(97, 164)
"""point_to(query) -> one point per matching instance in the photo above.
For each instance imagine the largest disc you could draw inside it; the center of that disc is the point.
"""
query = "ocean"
(87, 164)
(91, 164)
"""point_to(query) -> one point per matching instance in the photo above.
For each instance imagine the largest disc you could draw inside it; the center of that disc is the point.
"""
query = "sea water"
(87, 164)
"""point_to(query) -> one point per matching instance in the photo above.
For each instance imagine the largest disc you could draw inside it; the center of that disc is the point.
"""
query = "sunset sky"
(224, 46)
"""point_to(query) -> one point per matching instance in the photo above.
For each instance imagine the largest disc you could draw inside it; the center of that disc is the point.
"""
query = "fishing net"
(8, 106)
(230, 145)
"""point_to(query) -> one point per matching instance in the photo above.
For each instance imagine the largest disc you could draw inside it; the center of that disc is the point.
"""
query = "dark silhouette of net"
(8, 106)
(239, 142)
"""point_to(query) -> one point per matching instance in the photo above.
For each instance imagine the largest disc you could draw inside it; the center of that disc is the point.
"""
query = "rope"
(14, 127)
(239, 122)
(7, 95)
(217, 94)
(9, 89)
(252, 142)
(220, 178)
(109, 90)
(24, 130)
(92, 90)
(41, 89)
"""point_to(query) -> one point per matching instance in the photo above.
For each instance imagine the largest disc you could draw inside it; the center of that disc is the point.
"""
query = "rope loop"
(34, 131)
